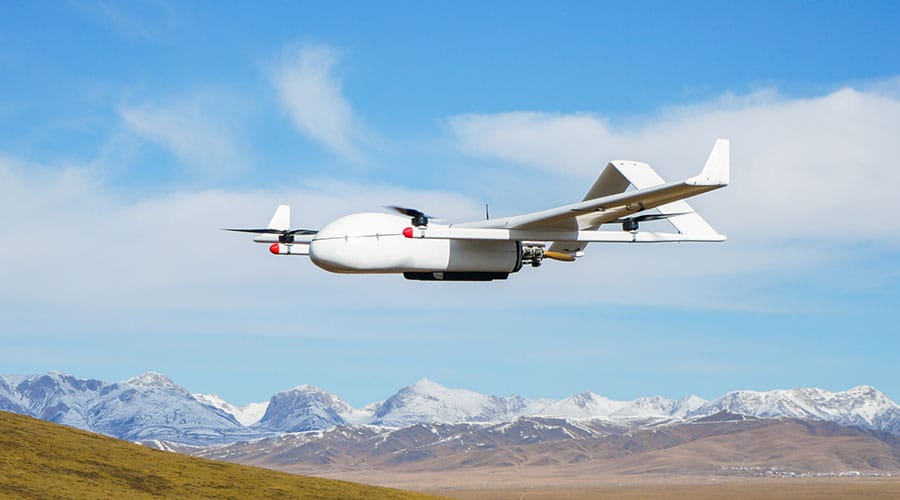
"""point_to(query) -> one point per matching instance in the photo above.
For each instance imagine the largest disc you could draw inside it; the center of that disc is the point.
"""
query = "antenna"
(487, 213)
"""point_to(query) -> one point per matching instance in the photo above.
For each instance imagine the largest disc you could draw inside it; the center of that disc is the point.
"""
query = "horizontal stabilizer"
(688, 222)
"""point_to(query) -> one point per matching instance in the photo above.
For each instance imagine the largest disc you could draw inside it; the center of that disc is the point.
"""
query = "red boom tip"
(408, 232)
(274, 248)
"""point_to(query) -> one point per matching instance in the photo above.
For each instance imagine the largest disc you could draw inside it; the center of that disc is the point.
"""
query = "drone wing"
(572, 227)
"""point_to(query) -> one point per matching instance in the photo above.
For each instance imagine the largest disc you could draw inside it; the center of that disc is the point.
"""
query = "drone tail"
(281, 219)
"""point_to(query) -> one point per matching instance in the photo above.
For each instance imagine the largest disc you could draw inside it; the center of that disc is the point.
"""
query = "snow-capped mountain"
(146, 407)
(151, 406)
(429, 402)
(582, 406)
(248, 414)
(861, 406)
(305, 408)
(55, 397)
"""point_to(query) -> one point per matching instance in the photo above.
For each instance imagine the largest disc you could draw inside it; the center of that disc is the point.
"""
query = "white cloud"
(821, 167)
(313, 96)
(203, 130)
(72, 244)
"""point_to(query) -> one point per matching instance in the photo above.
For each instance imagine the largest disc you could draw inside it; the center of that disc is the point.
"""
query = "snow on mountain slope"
(55, 397)
(149, 406)
(583, 405)
(861, 406)
(588, 405)
(429, 402)
(248, 414)
(305, 408)
(686, 405)
(647, 407)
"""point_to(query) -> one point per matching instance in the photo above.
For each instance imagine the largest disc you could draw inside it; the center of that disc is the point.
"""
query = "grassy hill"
(43, 460)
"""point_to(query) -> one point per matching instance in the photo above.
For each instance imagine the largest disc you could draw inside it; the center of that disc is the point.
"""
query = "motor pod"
(293, 249)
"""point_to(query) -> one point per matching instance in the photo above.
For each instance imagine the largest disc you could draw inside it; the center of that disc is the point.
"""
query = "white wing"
(571, 227)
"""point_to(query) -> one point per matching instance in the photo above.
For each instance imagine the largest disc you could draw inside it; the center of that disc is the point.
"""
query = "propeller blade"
(256, 231)
(418, 218)
(646, 217)
(409, 212)
(272, 231)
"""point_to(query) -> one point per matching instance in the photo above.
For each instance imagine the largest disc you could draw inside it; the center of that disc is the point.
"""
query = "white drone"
(491, 249)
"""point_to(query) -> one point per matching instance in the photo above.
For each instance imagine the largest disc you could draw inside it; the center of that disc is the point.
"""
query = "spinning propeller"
(284, 235)
(632, 223)
(418, 218)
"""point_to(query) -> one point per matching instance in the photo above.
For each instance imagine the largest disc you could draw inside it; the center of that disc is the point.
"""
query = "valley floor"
(486, 485)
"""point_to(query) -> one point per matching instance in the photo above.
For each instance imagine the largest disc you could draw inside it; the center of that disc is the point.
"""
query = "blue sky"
(129, 132)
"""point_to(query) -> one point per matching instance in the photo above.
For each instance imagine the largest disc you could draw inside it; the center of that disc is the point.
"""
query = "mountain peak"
(864, 390)
(427, 385)
(150, 379)
(587, 398)
(305, 407)
(428, 401)
(306, 388)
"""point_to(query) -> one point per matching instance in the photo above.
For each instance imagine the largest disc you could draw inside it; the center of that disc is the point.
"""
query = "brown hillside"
(44, 460)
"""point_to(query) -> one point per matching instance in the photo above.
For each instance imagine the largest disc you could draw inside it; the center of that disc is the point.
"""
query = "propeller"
(633, 222)
(418, 218)
(284, 235)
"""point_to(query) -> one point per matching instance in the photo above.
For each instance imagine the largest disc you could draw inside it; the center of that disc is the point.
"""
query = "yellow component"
(559, 256)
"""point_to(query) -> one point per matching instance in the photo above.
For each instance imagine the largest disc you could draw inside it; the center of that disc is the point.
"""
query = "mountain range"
(550, 451)
(151, 408)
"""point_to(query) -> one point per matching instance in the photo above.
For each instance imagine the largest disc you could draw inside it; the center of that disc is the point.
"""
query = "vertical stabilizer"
(716, 170)
(282, 218)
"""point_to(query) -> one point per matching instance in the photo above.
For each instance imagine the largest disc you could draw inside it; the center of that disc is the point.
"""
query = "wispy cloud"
(313, 97)
(138, 20)
(822, 167)
(203, 130)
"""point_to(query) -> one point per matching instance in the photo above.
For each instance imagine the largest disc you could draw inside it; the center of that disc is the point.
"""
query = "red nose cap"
(274, 248)
(408, 232)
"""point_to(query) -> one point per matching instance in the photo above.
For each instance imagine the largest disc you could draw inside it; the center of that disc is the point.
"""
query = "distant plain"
(820, 488)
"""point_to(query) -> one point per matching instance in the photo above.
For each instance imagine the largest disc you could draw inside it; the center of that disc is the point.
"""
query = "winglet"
(716, 171)
(282, 218)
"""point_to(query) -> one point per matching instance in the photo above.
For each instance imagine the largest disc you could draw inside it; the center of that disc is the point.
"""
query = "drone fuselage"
(375, 243)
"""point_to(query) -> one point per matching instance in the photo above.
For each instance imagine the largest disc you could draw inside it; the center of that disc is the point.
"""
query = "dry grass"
(43, 460)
